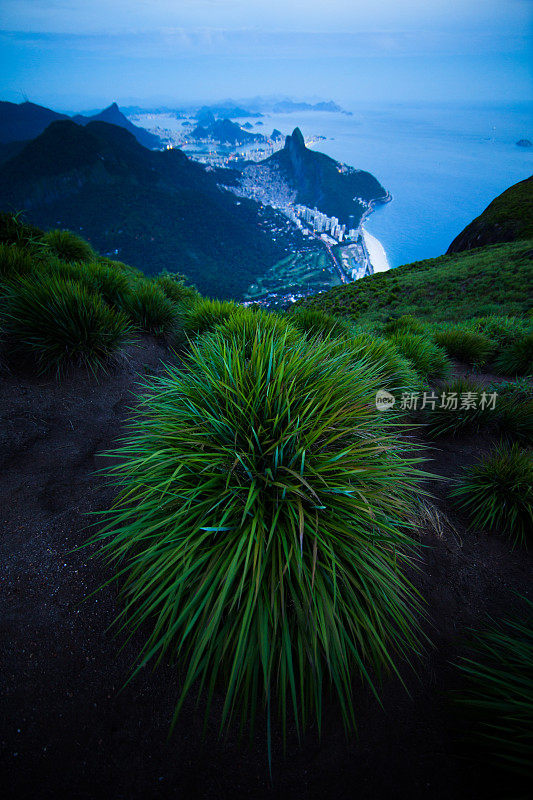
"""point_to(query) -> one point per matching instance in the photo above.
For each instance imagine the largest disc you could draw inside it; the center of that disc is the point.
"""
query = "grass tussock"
(465, 345)
(428, 359)
(517, 358)
(404, 324)
(14, 230)
(111, 284)
(248, 325)
(68, 246)
(462, 405)
(205, 315)
(176, 288)
(503, 330)
(319, 323)
(497, 492)
(395, 372)
(262, 524)
(127, 269)
(15, 262)
(515, 409)
(54, 323)
(150, 310)
(498, 699)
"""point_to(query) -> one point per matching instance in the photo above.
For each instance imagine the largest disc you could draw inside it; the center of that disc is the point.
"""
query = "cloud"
(311, 16)
(252, 44)
(186, 47)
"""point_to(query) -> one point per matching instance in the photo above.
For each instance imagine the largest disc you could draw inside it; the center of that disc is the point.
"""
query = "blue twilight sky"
(79, 54)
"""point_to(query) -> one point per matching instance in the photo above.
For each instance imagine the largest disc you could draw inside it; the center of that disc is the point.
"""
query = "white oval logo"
(384, 400)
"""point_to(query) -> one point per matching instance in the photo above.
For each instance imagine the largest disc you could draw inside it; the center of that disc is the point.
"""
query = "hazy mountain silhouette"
(22, 121)
(157, 208)
(113, 115)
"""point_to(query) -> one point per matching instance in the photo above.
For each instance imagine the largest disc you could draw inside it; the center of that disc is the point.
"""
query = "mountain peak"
(111, 111)
(296, 140)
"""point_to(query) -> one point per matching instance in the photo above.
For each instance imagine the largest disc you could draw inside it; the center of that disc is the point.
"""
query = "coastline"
(375, 253)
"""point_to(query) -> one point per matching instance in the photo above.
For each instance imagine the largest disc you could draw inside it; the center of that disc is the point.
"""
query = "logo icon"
(384, 400)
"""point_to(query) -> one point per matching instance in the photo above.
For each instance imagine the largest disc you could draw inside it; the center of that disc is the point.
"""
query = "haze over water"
(441, 90)
(442, 164)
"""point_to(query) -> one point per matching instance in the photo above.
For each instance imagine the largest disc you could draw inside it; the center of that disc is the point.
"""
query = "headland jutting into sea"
(326, 200)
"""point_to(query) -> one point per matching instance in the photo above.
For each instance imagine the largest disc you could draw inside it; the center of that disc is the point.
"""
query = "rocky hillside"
(322, 182)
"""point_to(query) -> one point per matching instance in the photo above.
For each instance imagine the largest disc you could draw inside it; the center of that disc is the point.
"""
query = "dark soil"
(68, 730)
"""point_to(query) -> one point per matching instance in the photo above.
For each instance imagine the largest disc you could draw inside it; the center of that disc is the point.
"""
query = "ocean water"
(442, 164)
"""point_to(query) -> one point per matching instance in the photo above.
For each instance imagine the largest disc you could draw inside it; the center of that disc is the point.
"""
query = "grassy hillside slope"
(263, 527)
(490, 280)
(509, 217)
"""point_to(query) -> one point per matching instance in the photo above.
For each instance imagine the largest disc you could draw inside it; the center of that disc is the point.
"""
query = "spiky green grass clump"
(429, 360)
(499, 700)
(68, 246)
(205, 315)
(517, 358)
(131, 272)
(501, 329)
(13, 230)
(497, 492)
(248, 324)
(54, 323)
(517, 390)
(461, 405)
(396, 373)
(515, 409)
(262, 526)
(320, 323)
(466, 345)
(149, 309)
(14, 262)
(176, 289)
(516, 420)
(111, 284)
(404, 324)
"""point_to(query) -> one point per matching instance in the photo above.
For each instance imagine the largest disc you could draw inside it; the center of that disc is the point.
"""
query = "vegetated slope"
(9, 149)
(22, 121)
(154, 209)
(113, 115)
(52, 435)
(319, 181)
(493, 279)
(508, 218)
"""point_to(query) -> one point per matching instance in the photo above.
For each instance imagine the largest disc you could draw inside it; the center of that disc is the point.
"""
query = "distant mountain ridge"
(224, 110)
(155, 209)
(24, 121)
(289, 106)
(509, 217)
(224, 130)
(113, 115)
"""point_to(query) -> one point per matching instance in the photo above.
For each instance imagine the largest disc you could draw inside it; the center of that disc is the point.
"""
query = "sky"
(76, 55)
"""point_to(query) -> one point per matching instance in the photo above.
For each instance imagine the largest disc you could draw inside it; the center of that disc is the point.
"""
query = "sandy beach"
(376, 252)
